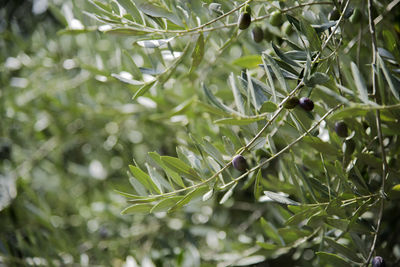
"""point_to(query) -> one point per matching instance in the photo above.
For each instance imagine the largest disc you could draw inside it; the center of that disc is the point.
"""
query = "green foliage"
(200, 91)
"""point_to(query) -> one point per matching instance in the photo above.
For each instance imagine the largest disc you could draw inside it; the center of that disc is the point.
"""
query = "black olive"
(306, 103)
(341, 129)
(258, 34)
(240, 163)
(378, 262)
(244, 21)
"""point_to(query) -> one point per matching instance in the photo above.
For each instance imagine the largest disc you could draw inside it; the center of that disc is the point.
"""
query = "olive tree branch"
(379, 130)
(283, 150)
(202, 28)
(248, 145)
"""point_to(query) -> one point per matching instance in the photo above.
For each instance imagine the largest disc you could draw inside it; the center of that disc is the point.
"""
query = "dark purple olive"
(341, 129)
(306, 103)
(258, 34)
(291, 103)
(334, 14)
(378, 262)
(240, 163)
(244, 21)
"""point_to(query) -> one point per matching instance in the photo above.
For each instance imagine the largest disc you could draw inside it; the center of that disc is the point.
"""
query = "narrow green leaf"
(344, 250)
(127, 31)
(211, 150)
(270, 80)
(284, 57)
(248, 62)
(257, 185)
(126, 80)
(137, 74)
(267, 246)
(341, 224)
(321, 146)
(332, 259)
(228, 194)
(165, 204)
(236, 94)
(137, 208)
(302, 215)
(180, 167)
(208, 195)
(229, 146)
(76, 31)
(394, 85)
(277, 71)
(144, 179)
(173, 175)
(198, 52)
(323, 27)
(311, 35)
(238, 121)
(333, 94)
(156, 11)
(293, 236)
(280, 199)
(268, 106)
(260, 87)
(270, 231)
(154, 43)
(139, 188)
(131, 9)
(360, 83)
(157, 178)
(317, 78)
(128, 195)
(257, 102)
(142, 90)
(188, 197)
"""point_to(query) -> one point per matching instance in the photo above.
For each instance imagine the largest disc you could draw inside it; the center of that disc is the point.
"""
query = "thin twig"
(241, 151)
(379, 130)
(202, 28)
(283, 150)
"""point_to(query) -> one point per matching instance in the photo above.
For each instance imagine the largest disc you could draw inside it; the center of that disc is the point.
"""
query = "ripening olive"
(244, 21)
(378, 262)
(240, 163)
(276, 18)
(291, 103)
(341, 129)
(258, 34)
(334, 14)
(306, 103)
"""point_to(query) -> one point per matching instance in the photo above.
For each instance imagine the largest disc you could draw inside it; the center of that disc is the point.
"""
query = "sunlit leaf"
(280, 199)
(248, 62)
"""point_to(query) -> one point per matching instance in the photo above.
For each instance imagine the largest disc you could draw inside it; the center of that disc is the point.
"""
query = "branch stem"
(379, 130)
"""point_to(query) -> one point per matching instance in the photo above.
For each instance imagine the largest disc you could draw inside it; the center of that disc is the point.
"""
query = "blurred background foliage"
(70, 133)
(69, 130)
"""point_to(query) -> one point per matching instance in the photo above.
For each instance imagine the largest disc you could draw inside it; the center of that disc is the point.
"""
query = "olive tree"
(286, 117)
